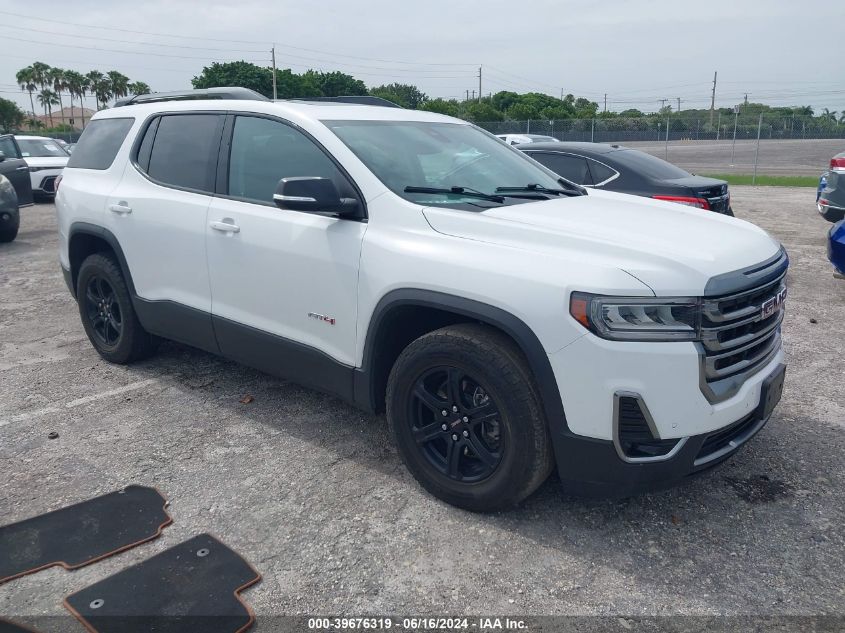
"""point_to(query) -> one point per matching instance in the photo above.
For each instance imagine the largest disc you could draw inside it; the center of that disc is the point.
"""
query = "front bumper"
(44, 181)
(593, 467)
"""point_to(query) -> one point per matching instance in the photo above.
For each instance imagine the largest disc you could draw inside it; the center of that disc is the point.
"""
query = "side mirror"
(314, 195)
(2, 157)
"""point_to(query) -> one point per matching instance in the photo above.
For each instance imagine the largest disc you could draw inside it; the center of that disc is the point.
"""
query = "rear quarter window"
(99, 143)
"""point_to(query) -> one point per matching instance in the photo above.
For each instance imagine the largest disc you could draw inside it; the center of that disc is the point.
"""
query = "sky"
(637, 53)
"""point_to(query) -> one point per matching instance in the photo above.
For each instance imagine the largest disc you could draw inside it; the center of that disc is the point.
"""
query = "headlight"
(637, 318)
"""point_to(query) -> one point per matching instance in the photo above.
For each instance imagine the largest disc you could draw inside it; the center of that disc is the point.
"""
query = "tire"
(495, 450)
(108, 317)
(8, 234)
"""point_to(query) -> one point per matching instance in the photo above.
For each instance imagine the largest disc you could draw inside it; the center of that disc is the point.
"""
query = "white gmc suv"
(508, 321)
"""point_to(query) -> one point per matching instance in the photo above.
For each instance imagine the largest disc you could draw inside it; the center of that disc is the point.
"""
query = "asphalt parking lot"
(778, 157)
(313, 494)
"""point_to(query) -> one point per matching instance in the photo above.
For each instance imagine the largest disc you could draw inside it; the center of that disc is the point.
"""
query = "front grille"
(738, 333)
(728, 439)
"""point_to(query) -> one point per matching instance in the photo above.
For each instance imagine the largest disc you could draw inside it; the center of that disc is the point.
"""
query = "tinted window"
(648, 165)
(7, 146)
(265, 151)
(600, 172)
(41, 148)
(99, 143)
(573, 168)
(184, 153)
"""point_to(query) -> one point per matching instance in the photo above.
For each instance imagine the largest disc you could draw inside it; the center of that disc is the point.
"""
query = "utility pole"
(663, 103)
(273, 54)
(713, 98)
(561, 95)
(479, 84)
(605, 102)
(746, 98)
(467, 99)
(679, 104)
(473, 95)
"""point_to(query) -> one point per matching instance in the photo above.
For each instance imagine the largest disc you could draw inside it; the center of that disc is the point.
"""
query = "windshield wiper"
(534, 187)
(458, 191)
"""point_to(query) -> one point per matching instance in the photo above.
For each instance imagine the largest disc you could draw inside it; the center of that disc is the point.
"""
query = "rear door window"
(99, 143)
(601, 173)
(573, 168)
(184, 151)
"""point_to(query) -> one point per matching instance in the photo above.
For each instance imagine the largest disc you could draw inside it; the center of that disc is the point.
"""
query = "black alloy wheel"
(103, 311)
(456, 424)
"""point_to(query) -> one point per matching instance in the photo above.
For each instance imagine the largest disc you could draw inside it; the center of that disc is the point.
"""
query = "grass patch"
(768, 181)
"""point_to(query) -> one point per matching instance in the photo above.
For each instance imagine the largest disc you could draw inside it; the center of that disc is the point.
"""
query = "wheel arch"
(403, 315)
(85, 239)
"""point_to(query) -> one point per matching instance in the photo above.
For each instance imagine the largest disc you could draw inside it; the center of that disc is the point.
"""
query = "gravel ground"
(777, 157)
(313, 494)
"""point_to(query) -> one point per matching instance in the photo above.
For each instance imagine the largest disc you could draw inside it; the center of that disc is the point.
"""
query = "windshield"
(438, 155)
(40, 148)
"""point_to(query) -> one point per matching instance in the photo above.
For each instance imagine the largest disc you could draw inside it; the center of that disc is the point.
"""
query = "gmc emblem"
(773, 305)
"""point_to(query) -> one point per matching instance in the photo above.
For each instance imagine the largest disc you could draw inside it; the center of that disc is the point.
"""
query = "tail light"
(837, 163)
(698, 203)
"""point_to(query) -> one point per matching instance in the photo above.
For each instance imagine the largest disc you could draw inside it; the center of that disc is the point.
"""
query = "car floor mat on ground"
(192, 587)
(7, 626)
(82, 533)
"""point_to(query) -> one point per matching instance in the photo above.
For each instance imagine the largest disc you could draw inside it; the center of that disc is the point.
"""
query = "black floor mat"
(7, 626)
(191, 587)
(83, 533)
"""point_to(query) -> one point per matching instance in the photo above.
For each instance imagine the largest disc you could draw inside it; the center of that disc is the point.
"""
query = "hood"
(673, 249)
(46, 161)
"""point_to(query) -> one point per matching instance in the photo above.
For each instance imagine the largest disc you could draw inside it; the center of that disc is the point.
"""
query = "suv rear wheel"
(467, 419)
(108, 317)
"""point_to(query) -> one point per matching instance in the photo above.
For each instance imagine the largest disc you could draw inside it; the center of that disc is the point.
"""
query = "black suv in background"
(626, 170)
(15, 187)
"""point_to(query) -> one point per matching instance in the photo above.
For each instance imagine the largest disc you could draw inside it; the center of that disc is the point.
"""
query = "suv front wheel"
(108, 317)
(467, 419)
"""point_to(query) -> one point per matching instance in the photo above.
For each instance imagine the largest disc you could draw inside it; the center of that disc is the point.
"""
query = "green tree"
(56, 78)
(483, 111)
(242, 74)
(405, 95)
(26, 80)
(333, 84)
(74, 81)
(118, 84)
(11, 116)
(47, 98)
(442, 106)
(138, 88)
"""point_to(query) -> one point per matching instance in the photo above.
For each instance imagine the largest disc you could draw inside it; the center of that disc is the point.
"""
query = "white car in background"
(46, 160)
(517, 139)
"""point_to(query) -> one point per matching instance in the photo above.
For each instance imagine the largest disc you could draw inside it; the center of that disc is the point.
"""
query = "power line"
(218, 39)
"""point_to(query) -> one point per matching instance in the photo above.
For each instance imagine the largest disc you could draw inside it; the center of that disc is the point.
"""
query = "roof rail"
(359, 99)
(205, 93)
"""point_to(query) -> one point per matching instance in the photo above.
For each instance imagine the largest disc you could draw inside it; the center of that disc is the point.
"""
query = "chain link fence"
(680, 128)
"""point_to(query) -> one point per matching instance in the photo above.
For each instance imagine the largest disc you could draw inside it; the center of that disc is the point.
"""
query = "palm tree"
(95, 78)
(26, 79)
(138, 88)
(39, 74)
(48, 99)
(828, 115)
(74, 82)
(118, 84)
(56, 76)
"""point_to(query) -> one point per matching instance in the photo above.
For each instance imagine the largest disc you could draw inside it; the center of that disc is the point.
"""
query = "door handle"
(120, 208)
(22, 168)
(225, 226)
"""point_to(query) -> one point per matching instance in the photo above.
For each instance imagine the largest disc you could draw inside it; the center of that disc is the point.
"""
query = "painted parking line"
(56, 408)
